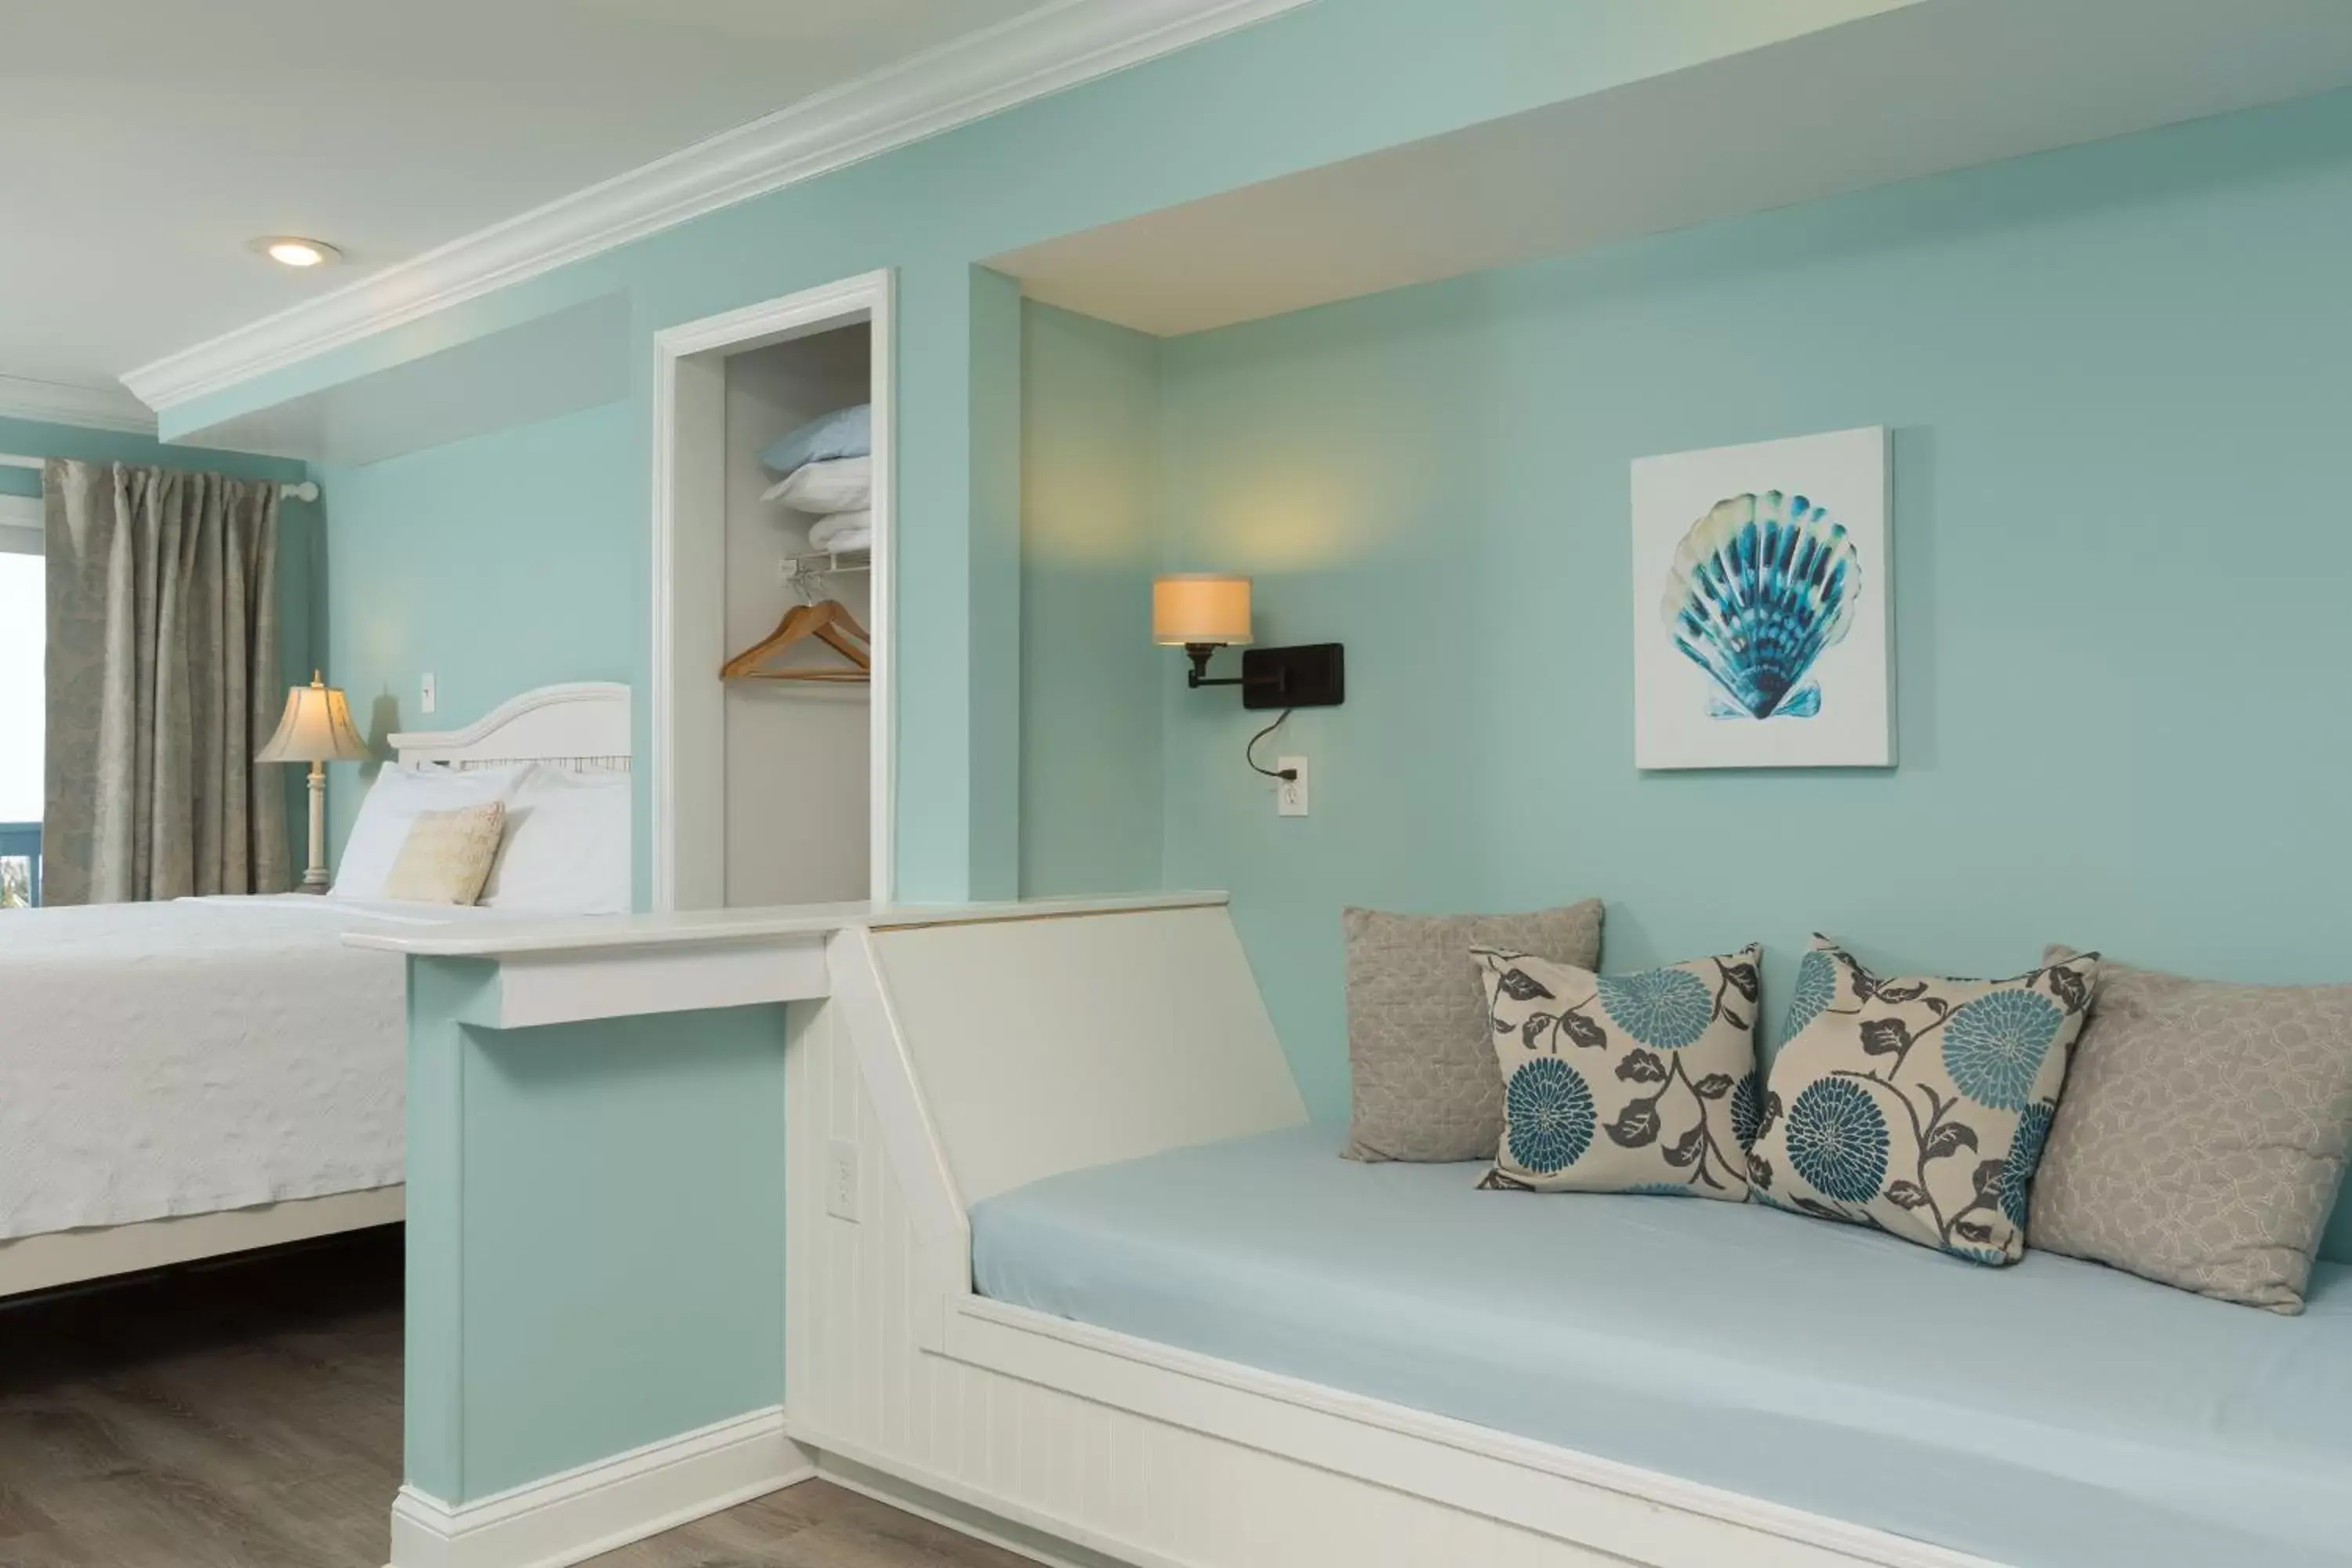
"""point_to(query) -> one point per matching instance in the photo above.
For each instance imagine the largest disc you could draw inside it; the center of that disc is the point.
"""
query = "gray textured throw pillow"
(1423, 1067)
(2203, 1133)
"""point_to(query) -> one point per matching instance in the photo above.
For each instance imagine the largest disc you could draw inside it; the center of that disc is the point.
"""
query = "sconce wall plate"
(1314, 675)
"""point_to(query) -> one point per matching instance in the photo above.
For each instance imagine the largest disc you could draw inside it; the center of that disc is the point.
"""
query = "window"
(22, 638)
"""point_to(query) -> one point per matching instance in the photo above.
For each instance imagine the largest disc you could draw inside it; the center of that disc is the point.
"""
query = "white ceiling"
(143, 142)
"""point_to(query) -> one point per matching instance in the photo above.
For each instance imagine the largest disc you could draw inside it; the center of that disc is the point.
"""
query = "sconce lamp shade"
(1201, 608)
(317, 728)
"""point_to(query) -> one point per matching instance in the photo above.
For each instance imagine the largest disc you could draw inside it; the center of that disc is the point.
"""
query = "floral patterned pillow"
(1624, 1083)
(1919, 1106)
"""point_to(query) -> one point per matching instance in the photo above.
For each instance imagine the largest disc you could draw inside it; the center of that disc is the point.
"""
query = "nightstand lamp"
(317, 730)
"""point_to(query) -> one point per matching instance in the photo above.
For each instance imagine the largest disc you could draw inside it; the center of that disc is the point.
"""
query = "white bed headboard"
(583, 725)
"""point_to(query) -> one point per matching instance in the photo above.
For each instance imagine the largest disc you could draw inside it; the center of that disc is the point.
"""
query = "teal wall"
(596, 1232)
(301, 572)
(553, 1318)
(496, 564)
(1090, 720)
(2116, 378)
(1134, 141)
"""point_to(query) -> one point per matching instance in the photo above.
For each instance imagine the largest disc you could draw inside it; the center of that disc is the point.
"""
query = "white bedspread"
(183, 1058)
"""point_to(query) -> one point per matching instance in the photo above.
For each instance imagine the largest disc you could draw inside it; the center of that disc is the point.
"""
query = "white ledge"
(733, 928)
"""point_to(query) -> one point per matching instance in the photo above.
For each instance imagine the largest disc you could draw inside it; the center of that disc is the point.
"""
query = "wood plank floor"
(248, 1415)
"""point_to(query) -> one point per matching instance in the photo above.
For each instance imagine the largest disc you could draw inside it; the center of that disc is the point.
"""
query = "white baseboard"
(1042, 1537)
(572, 1517)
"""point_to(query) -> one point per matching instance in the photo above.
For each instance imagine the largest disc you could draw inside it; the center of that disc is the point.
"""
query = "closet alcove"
(796, 748)
(771, 678)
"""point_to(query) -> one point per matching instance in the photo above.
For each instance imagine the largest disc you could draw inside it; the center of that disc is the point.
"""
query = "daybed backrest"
(1050, 1044)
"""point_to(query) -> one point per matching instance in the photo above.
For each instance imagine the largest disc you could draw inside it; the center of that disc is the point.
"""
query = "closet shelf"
(825, 563)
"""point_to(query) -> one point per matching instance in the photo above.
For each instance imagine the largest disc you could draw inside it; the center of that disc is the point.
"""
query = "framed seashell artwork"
(1763, 605)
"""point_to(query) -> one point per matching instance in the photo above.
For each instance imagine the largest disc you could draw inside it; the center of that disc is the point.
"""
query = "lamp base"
(314, 878)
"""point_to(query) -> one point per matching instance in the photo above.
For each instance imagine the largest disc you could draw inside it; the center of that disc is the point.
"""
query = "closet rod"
(307, 490)
(825, 563)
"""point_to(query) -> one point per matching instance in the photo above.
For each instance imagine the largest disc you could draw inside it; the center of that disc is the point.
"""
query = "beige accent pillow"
(2203, 1133)
(447, 854)
(1421, 1066)
(1624, 1083)
(1918, 1104)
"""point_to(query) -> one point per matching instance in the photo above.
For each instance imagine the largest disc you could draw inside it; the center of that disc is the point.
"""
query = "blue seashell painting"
(1761, 587)
(1763, 604)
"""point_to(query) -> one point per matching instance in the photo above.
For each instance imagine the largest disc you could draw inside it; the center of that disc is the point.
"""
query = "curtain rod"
(307, 490)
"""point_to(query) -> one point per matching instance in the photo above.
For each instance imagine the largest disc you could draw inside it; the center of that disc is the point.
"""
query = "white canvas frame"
(1848, 472)
(688, 816)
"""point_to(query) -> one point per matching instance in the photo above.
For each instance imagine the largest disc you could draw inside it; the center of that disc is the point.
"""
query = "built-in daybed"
(1243, 1348)
(2058, 1412)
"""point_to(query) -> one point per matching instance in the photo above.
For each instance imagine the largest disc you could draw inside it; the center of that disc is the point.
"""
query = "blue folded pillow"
(844, 432)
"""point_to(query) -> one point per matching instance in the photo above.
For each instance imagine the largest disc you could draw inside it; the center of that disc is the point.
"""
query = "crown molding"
(1040, 52)
(56, 403)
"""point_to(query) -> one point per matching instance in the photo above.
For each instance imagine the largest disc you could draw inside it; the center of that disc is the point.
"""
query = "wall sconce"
(1201, 612)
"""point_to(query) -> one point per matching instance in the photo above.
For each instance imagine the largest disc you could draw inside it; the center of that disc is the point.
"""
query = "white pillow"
(841, 530)
(391, 808)
(567, 845)
(838, 484)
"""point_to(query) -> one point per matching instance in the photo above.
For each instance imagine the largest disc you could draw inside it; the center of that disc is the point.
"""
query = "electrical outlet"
(841, 1180)
(1290, 794)
(425, 698)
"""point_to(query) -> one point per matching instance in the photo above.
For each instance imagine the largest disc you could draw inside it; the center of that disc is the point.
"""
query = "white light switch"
(841, 1179)
(1290, 794)
(425, 698)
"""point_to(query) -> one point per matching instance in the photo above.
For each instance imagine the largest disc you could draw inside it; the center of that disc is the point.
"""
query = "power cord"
(1286, 775)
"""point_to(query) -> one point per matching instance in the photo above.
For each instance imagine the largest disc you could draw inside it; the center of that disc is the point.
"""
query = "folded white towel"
(828, 533)
(836, 484)
(848, 540)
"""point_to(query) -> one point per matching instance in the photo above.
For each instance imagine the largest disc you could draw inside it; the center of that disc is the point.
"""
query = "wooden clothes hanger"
(829, 622)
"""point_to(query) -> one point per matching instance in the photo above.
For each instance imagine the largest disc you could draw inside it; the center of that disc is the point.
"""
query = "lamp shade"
(317, 728)
(1201, 607)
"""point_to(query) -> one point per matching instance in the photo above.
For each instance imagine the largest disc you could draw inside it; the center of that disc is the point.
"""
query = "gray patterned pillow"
(1424, 1081)
(2202, 1134)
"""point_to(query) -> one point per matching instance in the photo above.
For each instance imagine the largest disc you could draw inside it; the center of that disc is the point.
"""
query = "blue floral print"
(1549, 1106)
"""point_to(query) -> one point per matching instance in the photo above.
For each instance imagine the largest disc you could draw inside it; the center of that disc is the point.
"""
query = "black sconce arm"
(1199, 653)
(1310, 677)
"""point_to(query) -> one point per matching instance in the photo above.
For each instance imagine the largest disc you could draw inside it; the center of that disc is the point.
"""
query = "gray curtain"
(162, 681)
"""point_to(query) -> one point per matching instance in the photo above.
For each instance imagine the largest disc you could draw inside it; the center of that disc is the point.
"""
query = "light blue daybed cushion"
(2056, 1414)
(844, 432)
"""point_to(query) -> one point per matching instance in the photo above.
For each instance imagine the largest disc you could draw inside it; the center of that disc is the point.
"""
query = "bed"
(183, 1079)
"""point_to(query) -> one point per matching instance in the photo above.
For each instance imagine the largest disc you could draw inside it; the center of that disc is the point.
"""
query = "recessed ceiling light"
(292, 250)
